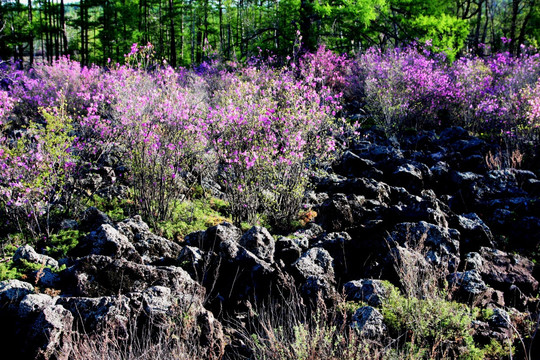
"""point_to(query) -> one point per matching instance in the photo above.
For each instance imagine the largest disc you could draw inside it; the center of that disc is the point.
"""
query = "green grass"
(61, 243)
(435, 325)
(193, 215)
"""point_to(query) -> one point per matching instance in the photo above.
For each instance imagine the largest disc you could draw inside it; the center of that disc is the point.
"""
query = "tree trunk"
(173, 34)
(30, 34)
(513, 25)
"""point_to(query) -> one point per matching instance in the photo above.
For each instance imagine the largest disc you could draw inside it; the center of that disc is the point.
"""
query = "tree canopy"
(186, 32)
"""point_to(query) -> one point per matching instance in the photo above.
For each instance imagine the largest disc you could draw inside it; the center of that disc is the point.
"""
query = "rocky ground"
(398, 209)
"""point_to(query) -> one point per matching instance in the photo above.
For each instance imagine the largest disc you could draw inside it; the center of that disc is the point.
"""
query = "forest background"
(187, 32)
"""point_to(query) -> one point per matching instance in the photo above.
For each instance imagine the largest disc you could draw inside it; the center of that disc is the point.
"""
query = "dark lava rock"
(370, 291)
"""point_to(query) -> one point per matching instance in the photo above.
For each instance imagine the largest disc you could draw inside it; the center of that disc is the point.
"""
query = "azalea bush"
(158, 124)
(256, 130)
(492, 93)
(63, 80)
(413, 87)
(35, 170)
(6, 105)
(403, 87)
(267, 130)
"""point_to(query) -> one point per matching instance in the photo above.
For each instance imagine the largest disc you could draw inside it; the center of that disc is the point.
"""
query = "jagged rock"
(532, 186)
(313, 199)
(108, 241)
(463, 179)
(335, 213)
(157, 250)
(380, 153)
(12, 292)
(409, 176)
(412, 208)
(160, 306)
(259, 241)
(69, 224)
(315, 270)
(474, 163)
(474, 232)
(469, 282)
(28, 253)
(502, 270)
(46, 278)
(307, 235)
(368, 322)
(91, 182)
(104, 315)
(500, 319)
(210, 239)
(372, 189)
(440, 173)
(337, 244)
(192, 260)
(370, 291)
(501, 218)
(232, 273)
(92, 218)
(402, 258)
(421, 140)
(32, 304)
(239, 256)
(97, 275)
(213, 187)
(517, 299)
(51, 334)
(473, 261)
(483, 333)
(440, 245)
(211, 334)
(353, 165)
(133, 227)
(453, 134)
(469, 147)
(153, 249)
(288, 249)
(524, 232)
(368, 187)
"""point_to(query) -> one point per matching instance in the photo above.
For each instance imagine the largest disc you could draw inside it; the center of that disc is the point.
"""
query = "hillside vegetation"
(383, 206)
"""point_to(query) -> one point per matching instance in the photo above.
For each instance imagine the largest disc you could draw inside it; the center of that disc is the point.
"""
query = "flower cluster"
(6, 105)
(256, 130)
(34, 168)
(407, 87)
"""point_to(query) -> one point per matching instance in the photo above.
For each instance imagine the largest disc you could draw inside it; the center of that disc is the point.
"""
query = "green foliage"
(8, 272)
(434, 325)
(117, 209)
(445, 33)
(496, 350)
(193, 215)
(38, 164)
(61, 243)
(353, 17)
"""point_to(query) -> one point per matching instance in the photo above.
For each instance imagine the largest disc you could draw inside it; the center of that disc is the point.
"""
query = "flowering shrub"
(6, 105)
(64, 80)
(266, 129)
(258, 130)
(325, 69)
(533, 115)
(405, 87)
(158, 125)
(34, 169)
(491, 93)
